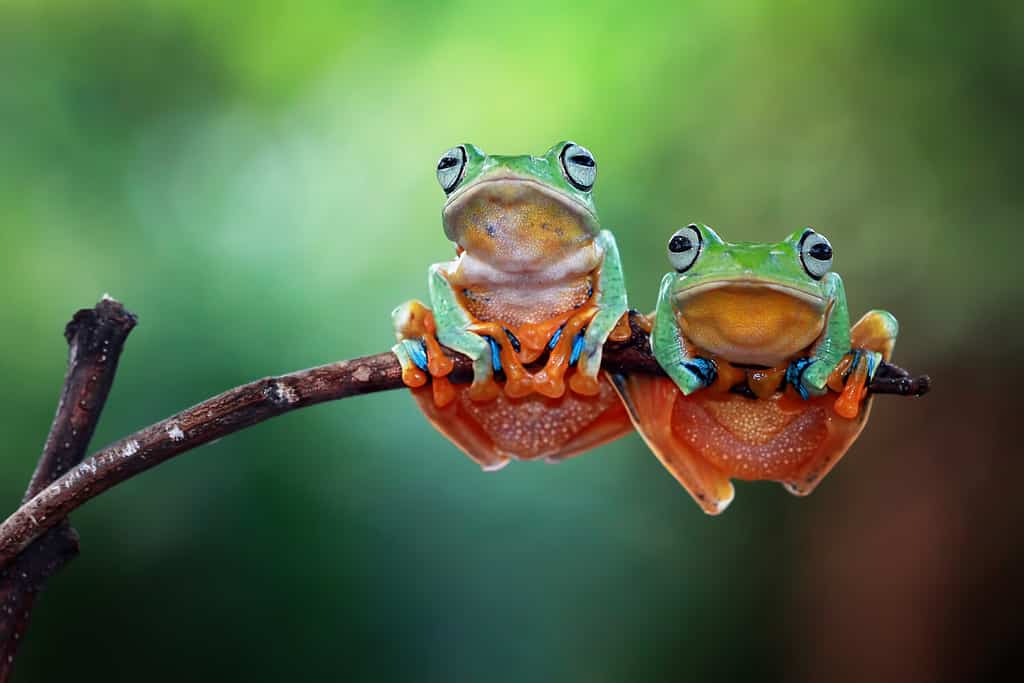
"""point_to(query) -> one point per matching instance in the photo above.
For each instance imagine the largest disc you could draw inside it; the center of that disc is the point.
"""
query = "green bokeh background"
(256, 181)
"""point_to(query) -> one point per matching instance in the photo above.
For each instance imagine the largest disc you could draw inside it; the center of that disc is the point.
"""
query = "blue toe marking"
(418, 353)
(871, 366)
(495, 354)
(704, 369)
(577, 347)
(793, 374)
(857, 355)
(555, 337)
(513, 340)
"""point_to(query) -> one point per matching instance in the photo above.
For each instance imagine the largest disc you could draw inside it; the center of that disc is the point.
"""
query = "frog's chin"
(750, 321)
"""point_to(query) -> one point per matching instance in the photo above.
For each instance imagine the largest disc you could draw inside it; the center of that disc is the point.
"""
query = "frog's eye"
(815, 254)
(451, 167)
(579, 166)
(684, 248)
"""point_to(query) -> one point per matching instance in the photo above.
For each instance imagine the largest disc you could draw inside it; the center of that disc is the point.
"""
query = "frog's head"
(750, 303)
(517, 214)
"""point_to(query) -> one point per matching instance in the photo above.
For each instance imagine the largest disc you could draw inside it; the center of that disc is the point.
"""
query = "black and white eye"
(451, 167)
(815, 254)
(579, 166)
(684, 248)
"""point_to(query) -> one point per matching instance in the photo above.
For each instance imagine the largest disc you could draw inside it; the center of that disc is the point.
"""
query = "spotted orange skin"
(494, 432)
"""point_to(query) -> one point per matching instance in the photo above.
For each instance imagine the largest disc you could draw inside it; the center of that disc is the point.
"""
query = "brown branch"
(263, 399)
(95, 338)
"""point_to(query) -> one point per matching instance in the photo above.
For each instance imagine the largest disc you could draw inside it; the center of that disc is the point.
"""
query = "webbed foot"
(504, 357)
(566, 346)
(419, 352)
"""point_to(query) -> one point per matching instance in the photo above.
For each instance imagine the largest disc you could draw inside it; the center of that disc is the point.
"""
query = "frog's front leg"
(455, 330)
(419, 352)
(671, 349)
(809, 375)
(612, 305)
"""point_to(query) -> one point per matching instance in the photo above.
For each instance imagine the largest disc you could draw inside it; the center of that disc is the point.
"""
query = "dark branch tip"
(87, 324)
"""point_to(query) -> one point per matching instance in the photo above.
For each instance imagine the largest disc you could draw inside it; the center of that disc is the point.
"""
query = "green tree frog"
(533, 293)
(766, 378)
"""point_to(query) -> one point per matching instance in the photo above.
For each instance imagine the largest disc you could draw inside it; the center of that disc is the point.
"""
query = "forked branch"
(95, 338)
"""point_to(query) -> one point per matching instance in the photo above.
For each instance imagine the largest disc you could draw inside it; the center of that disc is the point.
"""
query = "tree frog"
(766, 378)
(535, 282)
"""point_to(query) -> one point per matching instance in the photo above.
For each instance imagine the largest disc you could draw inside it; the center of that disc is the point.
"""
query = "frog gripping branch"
(766, 379)
(534, 292)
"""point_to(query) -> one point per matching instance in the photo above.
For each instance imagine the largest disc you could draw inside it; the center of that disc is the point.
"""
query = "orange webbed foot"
(414, 321)
(550, 381)
(518, 382)
(534, 337)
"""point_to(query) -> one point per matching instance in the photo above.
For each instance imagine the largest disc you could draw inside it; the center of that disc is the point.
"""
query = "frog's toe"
(797, 376)
(855, 388)
(550, 384)
(584, 383)
(412, 358)
(483, 389)
(703, 372)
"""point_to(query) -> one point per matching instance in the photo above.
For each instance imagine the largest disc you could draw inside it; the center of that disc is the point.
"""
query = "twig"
(95, 338)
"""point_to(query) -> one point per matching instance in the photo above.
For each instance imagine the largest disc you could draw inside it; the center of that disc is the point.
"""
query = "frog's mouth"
(751, 321)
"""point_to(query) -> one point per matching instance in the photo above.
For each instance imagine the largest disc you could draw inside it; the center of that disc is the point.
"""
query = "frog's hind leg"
(872, 340)
(651, 402)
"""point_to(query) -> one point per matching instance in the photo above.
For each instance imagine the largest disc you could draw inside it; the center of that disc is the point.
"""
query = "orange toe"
(484, 390)
(444, 392)
(848, 403)
(550, 384)
(413, 377)
(584, 385)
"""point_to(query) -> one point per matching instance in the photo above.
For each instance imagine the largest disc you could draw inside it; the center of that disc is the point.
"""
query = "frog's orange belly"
(706, 439)
(493, 432)
(750, 439)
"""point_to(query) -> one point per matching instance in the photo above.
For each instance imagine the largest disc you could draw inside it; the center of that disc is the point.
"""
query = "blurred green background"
(256, 181)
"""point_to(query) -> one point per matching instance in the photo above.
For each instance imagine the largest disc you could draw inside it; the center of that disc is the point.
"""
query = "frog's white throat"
(527, 275)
